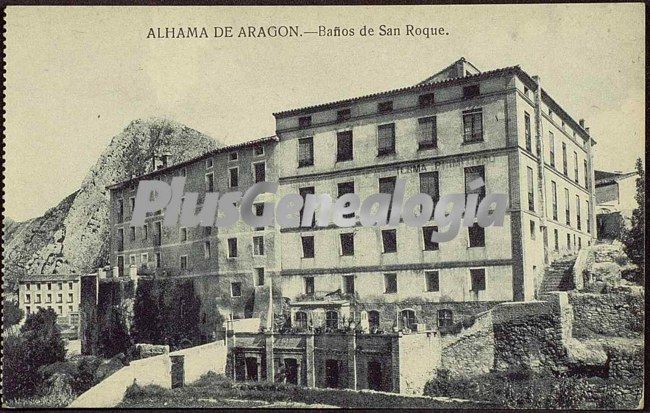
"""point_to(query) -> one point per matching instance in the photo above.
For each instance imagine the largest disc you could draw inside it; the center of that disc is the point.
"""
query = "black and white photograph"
(332, 206)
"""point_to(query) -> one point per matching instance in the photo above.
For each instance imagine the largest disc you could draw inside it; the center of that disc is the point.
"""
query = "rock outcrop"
(73, 237)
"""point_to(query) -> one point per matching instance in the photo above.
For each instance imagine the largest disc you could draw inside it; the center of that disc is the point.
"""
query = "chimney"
(166, 159)
(582, 123)
(156, 162)
(587, 130)
(101, 273)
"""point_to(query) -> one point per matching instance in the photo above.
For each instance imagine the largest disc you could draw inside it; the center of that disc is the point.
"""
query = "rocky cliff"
(73, 236)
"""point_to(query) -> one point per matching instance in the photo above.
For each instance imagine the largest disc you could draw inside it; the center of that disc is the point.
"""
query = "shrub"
(11, 314)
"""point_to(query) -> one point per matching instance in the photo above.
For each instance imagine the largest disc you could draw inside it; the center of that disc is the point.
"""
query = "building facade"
(59, 293)
(615, 201)
(438, 136)
(456, 126)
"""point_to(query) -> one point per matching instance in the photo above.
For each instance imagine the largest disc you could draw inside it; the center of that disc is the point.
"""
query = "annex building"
(453, 127)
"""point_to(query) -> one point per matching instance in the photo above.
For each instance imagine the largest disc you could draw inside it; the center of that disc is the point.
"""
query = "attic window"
(304, 122)
(385, 107)
(471, 91)
(343, 115)
(426, 100)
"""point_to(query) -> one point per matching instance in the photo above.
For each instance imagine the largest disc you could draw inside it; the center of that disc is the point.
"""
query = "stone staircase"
(559, 275)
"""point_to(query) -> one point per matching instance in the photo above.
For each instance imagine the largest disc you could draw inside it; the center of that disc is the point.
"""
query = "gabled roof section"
(198, 158)
(460, 68)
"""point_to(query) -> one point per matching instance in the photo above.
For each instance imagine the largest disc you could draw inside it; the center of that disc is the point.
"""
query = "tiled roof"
(198, 158)
(420, 86)
(49, 277)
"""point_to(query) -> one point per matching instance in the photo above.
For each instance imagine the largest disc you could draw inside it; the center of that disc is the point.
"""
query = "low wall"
(153, 370)
(618, 314)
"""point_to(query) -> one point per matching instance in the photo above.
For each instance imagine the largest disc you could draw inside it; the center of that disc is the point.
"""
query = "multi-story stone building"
(438, 136)
(57, 292)
(458, 125)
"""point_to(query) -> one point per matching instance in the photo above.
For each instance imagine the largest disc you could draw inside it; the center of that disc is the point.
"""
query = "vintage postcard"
(422, 206)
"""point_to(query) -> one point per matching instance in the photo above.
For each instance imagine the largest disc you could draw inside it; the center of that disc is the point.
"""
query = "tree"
(38, 344)
(11, 314)
(633, 238)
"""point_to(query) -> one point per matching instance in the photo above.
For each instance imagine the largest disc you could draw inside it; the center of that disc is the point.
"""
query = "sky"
(76, 77)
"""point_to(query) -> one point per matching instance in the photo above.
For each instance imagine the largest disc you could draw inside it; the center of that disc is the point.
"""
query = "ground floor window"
(373, 319)
(301, 320)
(408, 319)
(445, 318)
(332, 319)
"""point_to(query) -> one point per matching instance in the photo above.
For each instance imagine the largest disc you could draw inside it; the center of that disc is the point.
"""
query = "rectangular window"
(390, 283)
(70, 285)
(389, 240)
(305, 151)
(207, 252)
(428, 133)
(347, 243)
(528, 132)
(235, 289)
(208, 163)
(233, 156)
(575, 167)
(554, 193)
(132, 233)
(478, 279)
(258, 245)
(131, 204)
(27, 298)
(476, 235)
(473, 125)
(387, 186)
(344, 146)
(430, 185)
(588, 218)
(259, 211)
(232, 247)
(145, 232)
(426, 100)
(209, 182)
(144, 259)
(259, 277)
(565, 167)
(348, 284)
(345, 188)
(28, 286)
(343, 115)
(183, 262)
(426, 236)
(304, 122)
(59, 298)
(471, 91)
(432, 281)
(233, 177)
(120, 210)
(48, 298)
(309, 285)
(578, 221)
(567, 207)
(531, 189)
(70, 297)
(308, 246)
(556, 236)
(551, 146)
(385, 107)
(207, 231)
(132, 259)
(37, 299)
(532, 229)
(386, 139)
(183, 234)
(308, 190)
(259, 170)
(586, 168)
(258, 150)
(568, 241)
(158, 260)
(473, 173)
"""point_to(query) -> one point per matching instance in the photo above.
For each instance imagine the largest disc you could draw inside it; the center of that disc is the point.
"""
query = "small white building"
(615, 201)
(56, 291)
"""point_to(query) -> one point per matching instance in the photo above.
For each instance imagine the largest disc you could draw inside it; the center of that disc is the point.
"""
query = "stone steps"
(559, 275)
